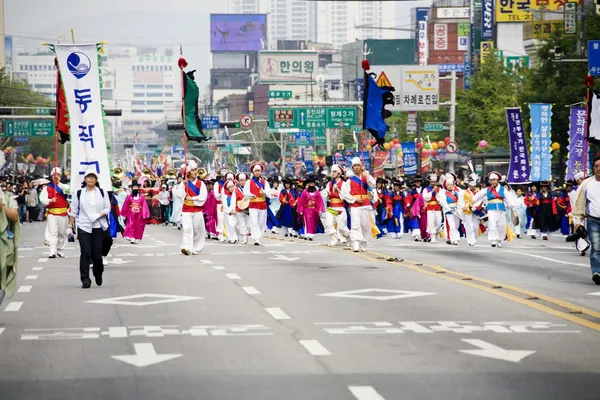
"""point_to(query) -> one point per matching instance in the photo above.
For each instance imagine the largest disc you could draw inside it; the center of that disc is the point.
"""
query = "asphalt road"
(298, 320)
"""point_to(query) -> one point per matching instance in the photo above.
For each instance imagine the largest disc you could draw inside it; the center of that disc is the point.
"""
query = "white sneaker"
(195, 253)
(137, 241)
(499, 243)
(60, 254)
(104, 261)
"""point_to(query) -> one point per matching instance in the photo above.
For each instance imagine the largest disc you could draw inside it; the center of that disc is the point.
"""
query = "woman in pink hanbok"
(310, 207)
(210, 211)
(136, 212)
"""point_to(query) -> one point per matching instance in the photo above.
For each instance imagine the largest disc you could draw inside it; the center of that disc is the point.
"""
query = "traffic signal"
(374, 102)
(230, 124)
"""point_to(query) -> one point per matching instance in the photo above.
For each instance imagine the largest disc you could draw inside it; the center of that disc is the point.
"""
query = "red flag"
(62, 116)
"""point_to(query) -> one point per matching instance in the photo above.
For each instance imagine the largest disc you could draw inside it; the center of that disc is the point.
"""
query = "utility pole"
(452, 113)
(418, 141)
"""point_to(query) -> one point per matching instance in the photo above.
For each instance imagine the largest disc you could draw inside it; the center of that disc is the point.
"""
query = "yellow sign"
(486, 47)
(543, 29)
(514, 10)
(383, 80)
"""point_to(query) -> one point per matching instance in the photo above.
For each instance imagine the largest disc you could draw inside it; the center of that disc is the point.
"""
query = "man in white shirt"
(164, 199)
(587, 207)
(89, 209)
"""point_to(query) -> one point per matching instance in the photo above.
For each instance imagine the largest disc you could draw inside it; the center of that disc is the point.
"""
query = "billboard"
(238, 32)
(288, 67)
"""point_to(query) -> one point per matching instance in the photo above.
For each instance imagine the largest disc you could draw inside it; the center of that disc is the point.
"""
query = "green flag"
(192, 124)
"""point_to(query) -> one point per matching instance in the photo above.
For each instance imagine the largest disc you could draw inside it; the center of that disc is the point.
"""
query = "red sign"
(381, 158)
(451, 147)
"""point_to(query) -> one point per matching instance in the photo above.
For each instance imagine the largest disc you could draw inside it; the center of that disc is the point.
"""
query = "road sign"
(312, 118)
(280, 94)
(210, 122)
(246, 120)
(416, 86)
(411, 128)
(451, 147)
(382, 80)
(28, 127)
(594, 57)
(433, 127)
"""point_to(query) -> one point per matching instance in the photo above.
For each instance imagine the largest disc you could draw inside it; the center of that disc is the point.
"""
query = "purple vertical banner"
(578, 146)
(518, 169)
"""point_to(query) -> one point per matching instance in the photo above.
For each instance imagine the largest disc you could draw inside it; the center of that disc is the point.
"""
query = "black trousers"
(33, 213)
(164, 213)
(91, 252)
(107, 243)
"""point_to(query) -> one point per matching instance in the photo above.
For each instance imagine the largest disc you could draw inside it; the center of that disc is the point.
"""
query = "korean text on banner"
(578, 146)
(514, 11)
(78, 66)
(379, 161)
(288, 67)
(541, 158)
(440, 34)
(487, 20)
(518, 169)
(409, 153)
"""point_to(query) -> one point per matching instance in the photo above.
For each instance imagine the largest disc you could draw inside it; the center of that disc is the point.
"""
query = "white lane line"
(206, 261)
(277, 313)
(365, 393)
(42, 260)
(24, 289)
(233, 276)
(13, 306)
(2, 330)
(315, 348)
(37, 268)
(219, 268)
(250, 290)
(31, 277)
(548, 258)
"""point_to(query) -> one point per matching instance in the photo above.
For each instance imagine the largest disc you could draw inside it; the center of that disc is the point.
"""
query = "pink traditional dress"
(136, 211)
(310, 207)
(210, 213)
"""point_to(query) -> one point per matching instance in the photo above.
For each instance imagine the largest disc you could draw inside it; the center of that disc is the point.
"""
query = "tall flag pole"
(589, 82)
(182, 63)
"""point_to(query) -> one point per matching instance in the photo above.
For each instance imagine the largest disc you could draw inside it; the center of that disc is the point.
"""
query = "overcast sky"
(119, 22)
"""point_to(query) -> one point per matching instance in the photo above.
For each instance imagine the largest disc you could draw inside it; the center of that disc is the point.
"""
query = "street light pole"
(452, 114)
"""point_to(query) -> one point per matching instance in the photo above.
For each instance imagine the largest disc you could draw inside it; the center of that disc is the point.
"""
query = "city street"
(294, 320)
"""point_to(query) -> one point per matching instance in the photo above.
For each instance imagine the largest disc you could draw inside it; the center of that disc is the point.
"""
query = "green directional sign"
(280, 94)
(320, 137)
(28, 127)
(312, 118)
(433, 127)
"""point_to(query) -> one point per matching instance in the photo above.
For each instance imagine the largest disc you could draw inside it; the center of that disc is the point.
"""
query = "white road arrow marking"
(118, 261)
(145, 355)
(594, 294)
(280, 257)
(498, 353)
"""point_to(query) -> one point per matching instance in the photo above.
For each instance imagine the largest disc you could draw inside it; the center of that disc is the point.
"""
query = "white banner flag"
(80, 75)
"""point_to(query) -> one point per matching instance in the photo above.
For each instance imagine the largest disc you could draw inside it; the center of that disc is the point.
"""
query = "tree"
(480, 111)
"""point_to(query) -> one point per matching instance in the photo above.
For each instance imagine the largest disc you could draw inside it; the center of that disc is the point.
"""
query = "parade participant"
(356, 191)
(242, 216)
(10, 238)
(136, 213)
(563, 207)
(193, 193)
(418, 212)
(434, 211)
(310, 208)
(210, 211)
(218, 189)
(396, 221)
(274, 206)
(164, 199)
(54, 198)
(451, 202)
(230, 210)
(532, 202)
(470, 219)
(547, 210)
(257, 189)
(114, 227)
(177, 206)
(521, 213)
(497, 196)
(90, 209)
(384, 205)
(287, 211)
(336, 219)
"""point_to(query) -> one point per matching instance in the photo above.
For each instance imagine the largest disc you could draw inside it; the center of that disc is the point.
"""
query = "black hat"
(134, 183)
(570, 182)
(544, 183)
(417, 179)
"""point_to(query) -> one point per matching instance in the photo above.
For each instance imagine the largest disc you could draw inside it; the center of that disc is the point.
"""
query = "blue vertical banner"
(409, 153)
(518, 169)
(487, 20)
(578, 146)
(467, 72)
(541, 159)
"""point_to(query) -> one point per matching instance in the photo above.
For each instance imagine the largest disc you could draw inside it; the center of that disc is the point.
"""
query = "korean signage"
(312, 118)
(418, 82)
(594, 57)
(409, 153)
(463, 37)
(541, 117)
(444, 68)
(78, 66)
(453, 12)
(440, 36)
(288, 67)
(487, 20)
(543, 29)
(379, 160)
(210, 122)
(578, 146)
(280, 94)
(421, 36)
(514, 64)
(28, 127)
(570, 20)
(515, 11)
(467, 72)
(518, 169)
(486, 47)
(423, 48)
